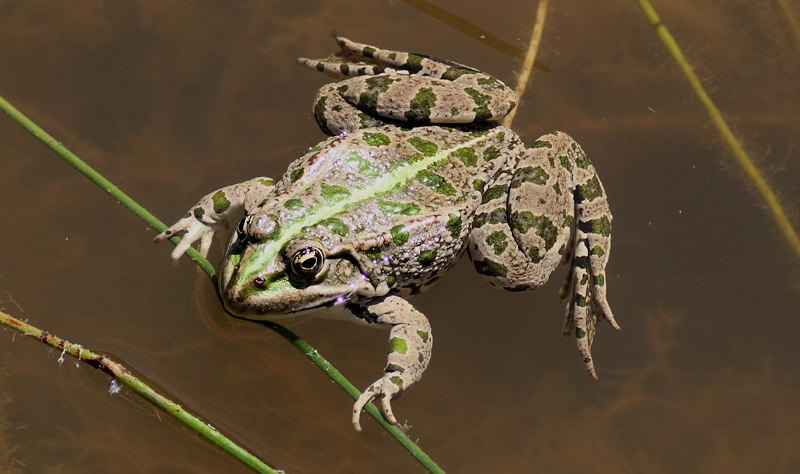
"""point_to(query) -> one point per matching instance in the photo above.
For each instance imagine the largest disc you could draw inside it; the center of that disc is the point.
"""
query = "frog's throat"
(383, 184)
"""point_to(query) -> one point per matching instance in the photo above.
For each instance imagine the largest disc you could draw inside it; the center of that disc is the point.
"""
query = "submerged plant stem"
(204, 265)
(530, 58)
(124, 377)
(735, 147)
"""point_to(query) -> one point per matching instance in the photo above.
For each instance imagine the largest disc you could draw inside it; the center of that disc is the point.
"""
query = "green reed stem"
(201, 262)
(530, 59)
(727, 135)
(124, 377)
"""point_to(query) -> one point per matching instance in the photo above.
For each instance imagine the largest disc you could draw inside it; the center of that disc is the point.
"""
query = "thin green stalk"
(530, 58)
(124, 377)
(727, 135)
(201, 262)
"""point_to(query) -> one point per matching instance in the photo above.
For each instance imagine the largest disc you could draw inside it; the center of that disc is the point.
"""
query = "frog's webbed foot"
(211, 214)
(587, 255)
(410, 343)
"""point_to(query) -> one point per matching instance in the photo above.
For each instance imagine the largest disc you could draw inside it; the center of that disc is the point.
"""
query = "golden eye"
(307, 263)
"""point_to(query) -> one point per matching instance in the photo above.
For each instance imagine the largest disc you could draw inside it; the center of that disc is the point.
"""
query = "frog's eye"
(307, 263)
(243, 228)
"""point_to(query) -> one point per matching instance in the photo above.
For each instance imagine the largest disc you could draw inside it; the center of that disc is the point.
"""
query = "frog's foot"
(194, 230)
(358, 59)
(212, 212)
(410, 343)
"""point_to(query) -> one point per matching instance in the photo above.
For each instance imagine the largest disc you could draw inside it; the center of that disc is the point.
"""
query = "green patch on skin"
(268, 182)
(567, 222)
(591, 190)
(498, 216)
(454, 111)
(420, 358)
(427, 258)
(423, 335)
(478, 185)
(368, 101)
(533, 253)
(379, 82)
(479, 133)
(293, 204)
(596, 250)
(414, 62)
(599, 280)
(529, 174)
(199, 212)
(376, 139)
(481, 104)
(319, 115)
(397, 381)
(394, 368)
(392, 56)
(565, 163)
(542, 144)
(367, 121)
(493, 193)
(344, 68)
(399, 235)
(501, 136)
(491, 153)
(427, 148)
(398, 344)
(343, 89)
(557, 189)
(391, 280)
(454, 225)
(600, 226)
(490, 268)
(561, 249)
(581, 161)
(587, 360)
(552, 161)
(584, 279)
(580, 333)
(544, 228)
(334, 225)
(435, 182)
(374, 253)
(511, 105)
(453, 73)
(498, 241)
(320, 67)
(580, 301)
(334, 193)
(487, 81)
(467, 156)
(296, 174)
(221, 202)
(337, 108)
(403, 208)
(367, 52)
(420, 106)
(362, 166)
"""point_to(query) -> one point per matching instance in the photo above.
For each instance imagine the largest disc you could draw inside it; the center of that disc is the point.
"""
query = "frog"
(416, 172)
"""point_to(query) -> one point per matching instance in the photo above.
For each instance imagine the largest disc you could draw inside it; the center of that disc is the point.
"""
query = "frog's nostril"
(259, 281)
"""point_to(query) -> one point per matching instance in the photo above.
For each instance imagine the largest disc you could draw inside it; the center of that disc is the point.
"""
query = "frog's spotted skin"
(384, 208)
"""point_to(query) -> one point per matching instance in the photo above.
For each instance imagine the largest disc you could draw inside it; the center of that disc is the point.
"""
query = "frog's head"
(269, 273)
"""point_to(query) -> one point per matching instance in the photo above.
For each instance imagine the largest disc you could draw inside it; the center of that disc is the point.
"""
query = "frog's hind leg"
(359, 59)
(587, 255)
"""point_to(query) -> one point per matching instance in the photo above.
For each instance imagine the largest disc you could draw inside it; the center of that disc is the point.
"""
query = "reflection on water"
(173, 101)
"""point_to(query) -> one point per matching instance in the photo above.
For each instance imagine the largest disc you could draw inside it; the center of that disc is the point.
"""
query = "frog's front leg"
(410, 343)
(211, 212)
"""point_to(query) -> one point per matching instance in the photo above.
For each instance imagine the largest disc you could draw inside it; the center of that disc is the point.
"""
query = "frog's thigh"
(518, 239)
(335, 115)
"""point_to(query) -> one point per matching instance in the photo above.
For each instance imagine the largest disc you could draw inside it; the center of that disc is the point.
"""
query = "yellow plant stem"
(530, 58)
(727, 135)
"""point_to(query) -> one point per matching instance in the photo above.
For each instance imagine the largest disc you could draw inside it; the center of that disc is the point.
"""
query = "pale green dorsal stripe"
(381, 185)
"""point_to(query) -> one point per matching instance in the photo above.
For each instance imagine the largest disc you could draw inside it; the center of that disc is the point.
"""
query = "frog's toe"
(384, 388)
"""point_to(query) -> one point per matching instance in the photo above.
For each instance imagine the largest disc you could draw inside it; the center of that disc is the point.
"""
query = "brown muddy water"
(171, 100)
